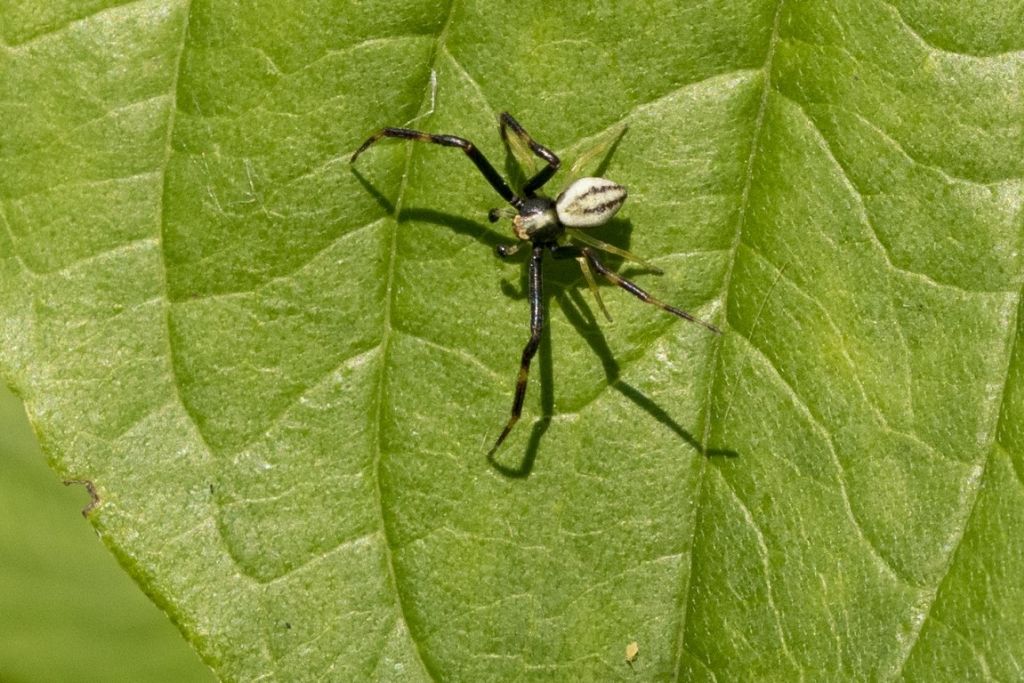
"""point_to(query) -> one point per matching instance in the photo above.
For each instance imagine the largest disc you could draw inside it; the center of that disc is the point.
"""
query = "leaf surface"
(282, 374)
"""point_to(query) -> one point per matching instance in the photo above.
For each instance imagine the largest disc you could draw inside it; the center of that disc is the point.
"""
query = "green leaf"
(282, 374)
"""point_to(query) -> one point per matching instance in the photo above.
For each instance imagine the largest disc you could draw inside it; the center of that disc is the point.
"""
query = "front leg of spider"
(553, 162)
(554, 225)
(481, 162)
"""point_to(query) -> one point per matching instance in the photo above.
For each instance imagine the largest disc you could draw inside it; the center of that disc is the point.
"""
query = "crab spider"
(556, 225)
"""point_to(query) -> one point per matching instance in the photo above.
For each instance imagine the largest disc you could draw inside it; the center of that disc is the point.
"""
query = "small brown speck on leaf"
(632, 650)
(93, 496)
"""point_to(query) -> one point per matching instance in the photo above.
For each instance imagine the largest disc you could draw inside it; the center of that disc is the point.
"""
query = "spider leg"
(589, 277)
(620, 281)
(553, 162)
(474, 154)
(612, 249)
(562, 251)
(536, 326)
(584, 160)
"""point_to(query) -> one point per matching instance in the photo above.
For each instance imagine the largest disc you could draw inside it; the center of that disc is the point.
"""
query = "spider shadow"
(457, 224)
(599, 345)
(572, 305)
(606, 160)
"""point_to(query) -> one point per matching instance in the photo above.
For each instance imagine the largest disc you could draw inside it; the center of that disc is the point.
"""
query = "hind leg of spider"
(553, 162)
(562, 251)
(474, 154)
(612, 249)
(639, 293)
(530, 350)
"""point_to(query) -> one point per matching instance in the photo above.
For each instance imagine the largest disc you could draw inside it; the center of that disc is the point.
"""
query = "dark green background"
(68, 612)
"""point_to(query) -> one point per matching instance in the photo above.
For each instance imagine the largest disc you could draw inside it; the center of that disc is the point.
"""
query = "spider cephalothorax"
(554, 225)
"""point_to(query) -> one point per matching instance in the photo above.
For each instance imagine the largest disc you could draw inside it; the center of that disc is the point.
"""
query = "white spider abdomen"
(589, 202)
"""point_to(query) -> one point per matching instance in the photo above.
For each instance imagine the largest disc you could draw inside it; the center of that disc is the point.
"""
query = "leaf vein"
(1013, 338)
(57, 28)
(762, 551)
(67, 136)
(460, 353)
(931, 45)
(862, 210)
(826, 436)
(379, 400)
(686, 580)
(830, 321)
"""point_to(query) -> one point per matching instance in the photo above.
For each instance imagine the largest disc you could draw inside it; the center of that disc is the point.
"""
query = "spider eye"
(589, 202)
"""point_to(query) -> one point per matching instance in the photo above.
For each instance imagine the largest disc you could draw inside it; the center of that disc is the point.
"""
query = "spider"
(555, 225)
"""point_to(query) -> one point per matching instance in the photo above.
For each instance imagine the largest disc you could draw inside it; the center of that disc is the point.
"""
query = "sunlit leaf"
(282, 374)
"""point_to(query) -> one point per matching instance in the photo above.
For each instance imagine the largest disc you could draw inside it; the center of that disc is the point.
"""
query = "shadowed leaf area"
(283, 374)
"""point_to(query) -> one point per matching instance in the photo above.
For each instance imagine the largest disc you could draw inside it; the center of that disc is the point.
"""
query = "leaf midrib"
(385, 346)
(687, 589)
